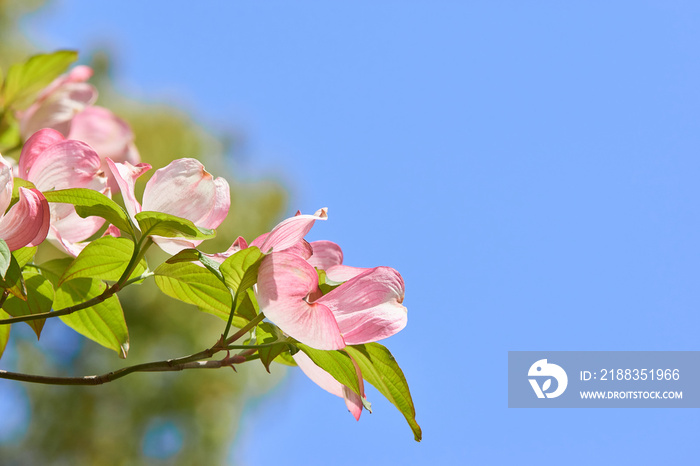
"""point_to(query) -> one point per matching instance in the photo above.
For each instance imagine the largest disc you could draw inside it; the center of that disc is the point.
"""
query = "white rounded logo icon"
(546, 372)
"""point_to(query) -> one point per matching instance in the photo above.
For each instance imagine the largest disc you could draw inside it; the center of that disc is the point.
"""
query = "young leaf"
(4, 332)
(39, 299)
(336, 363)
(240, 271)
(247, 307)
(196, 285)
(24, 255)
(24, 81)
(192, 255)
(103, 323)
(170, 226)
(5, 258)
(105, 258)
(380, 369)
(268, 333)
(89, 203)
(186, 255)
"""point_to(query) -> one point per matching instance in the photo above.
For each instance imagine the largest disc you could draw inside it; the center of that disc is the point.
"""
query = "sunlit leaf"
(336, 363)
(24, 81)
(170, 226)
(24, 255)
(5, 257)
(196, 285)
(39, 299)
(266, 333)
(380, 369)
(105, 258)
(89, 203)
(13, 281)
(4, 332)
(103, 323)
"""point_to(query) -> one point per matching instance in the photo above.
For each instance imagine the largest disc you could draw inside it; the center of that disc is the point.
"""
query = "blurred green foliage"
(197, 410)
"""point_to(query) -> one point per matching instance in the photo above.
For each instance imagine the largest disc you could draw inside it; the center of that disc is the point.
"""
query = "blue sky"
(531, 168)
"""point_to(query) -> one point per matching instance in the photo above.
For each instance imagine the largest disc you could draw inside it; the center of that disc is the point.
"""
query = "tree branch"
(194, 361)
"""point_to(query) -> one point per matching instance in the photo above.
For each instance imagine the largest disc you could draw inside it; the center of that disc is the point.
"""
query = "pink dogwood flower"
(183, 188)
(58, 103)
(27, 222)
(52, 162)
(66, 105)
(364, 309)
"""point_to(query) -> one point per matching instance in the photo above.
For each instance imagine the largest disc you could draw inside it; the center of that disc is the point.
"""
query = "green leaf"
(54, 269)
(286, 359)
(186, 255)
(380, 369)
(24, 255)
(170, 226)
(5, 257)
(24, 81)
(10, 137)
(267, 333)
(4, 332)
(247, 307)
(39, 299)
(13, 280)
(192, 255)
(89, 203)
(105, 258)
(103, 323)
(196, 285)
(240, 271)
(336, 363)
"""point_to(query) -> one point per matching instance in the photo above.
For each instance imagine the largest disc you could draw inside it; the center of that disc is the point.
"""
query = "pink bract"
(27, 222)
(365, 309)
(52, 162)
(183, 188)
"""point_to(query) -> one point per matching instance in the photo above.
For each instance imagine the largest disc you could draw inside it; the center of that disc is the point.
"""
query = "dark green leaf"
(24, 81)
(105, 258)
(381, 370)
(336, 363)
(170, 226)
(89, 203)
(39, 299)
(196, 285)
(103, 323)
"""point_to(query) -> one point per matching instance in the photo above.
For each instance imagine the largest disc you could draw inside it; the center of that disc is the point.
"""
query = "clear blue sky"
(531, 168)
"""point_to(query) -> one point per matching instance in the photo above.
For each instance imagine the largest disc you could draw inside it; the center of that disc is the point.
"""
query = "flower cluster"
(319, 314)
